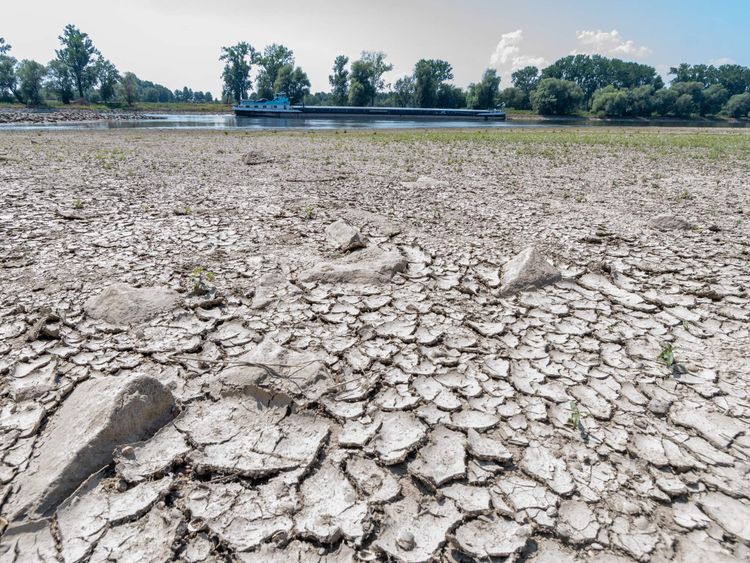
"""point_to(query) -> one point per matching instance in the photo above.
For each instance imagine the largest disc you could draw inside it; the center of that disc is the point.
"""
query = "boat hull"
(338, 112)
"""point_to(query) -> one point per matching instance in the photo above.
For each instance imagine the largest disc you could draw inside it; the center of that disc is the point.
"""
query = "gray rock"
(343, 236)
(527, 270)
(370, 265)
(99, 415)
(122, 304)
(670, 223)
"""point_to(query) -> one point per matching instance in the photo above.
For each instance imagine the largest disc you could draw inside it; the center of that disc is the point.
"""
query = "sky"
(177, 42)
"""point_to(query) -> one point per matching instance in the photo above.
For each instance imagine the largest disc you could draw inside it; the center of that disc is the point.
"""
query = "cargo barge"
(280, 107)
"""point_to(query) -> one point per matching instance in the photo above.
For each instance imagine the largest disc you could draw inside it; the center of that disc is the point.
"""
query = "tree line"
(80, 72)
(572, 84)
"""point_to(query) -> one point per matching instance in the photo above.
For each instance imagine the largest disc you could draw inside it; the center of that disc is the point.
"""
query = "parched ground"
(270, 397)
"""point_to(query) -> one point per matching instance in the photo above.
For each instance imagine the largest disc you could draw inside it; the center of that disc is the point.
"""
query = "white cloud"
(608, 43)
(507, 55)
(722, 61)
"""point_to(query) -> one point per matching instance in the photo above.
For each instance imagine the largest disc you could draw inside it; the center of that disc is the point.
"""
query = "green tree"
(664, 101)
(339, 80)
(78, 54)
(238, 60)
(525, 80)
(366, 77)
(555, 96)
(450, 96)
(129, 88)
(8, 80)
(403, 91)
(107, 76)
(738, 105)
(4, 47)
(685, 106)
(273, 59)
(594, 72)
(59, 80)
(30, 75)
(713, 99)
(610, 102)
(485, 94)
(515, 98)
(293, 83)
(429, 74)
(735, 78)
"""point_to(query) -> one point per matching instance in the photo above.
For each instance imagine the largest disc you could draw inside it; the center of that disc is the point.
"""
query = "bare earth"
(354, 375)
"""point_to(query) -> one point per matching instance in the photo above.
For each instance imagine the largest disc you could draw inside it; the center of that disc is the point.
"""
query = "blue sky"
(176, 42)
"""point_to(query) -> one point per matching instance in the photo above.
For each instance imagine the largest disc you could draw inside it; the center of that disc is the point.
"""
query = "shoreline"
(81, 114)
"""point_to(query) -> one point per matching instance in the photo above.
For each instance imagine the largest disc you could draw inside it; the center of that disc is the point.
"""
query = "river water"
(229, 122)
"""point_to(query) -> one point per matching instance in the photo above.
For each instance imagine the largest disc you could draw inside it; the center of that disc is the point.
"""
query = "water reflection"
(227, 121)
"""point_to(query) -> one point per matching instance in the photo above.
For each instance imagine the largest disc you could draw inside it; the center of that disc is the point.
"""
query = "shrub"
(738, 105)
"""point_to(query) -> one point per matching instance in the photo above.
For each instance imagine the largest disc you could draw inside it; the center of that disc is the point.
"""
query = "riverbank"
(9, 116)
(337, 344)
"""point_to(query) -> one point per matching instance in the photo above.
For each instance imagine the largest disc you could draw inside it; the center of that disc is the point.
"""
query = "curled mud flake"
(442, 459)
(576, 522)
(242, 517)
(378, 484)
(731, 514)
(141, 460)
(491, 536)
(426, 525)
(150, 538)
(399, 434)
(331, 509)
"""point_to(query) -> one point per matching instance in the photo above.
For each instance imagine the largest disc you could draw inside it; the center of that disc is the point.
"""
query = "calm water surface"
(226, 122)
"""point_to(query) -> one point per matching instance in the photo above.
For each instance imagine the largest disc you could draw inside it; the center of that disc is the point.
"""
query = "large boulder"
(122, 304)
(368, 266)
(527, 270)
(99, 415)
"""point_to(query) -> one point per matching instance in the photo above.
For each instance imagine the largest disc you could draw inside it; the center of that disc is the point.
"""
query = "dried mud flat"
(406, 346)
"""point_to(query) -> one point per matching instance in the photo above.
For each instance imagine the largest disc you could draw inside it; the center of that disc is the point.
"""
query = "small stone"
(406, 541)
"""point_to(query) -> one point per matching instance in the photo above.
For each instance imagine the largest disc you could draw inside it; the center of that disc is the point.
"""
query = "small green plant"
(684, 195)
(182, 211)
(201, 278)
(308, 212)
(575, 415)
(77, 203)
(667, 355)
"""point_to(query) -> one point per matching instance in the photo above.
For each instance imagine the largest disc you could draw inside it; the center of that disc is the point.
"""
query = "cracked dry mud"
(415, 346)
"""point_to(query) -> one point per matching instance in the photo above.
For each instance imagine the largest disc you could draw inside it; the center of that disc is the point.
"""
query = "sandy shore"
(337, 347)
